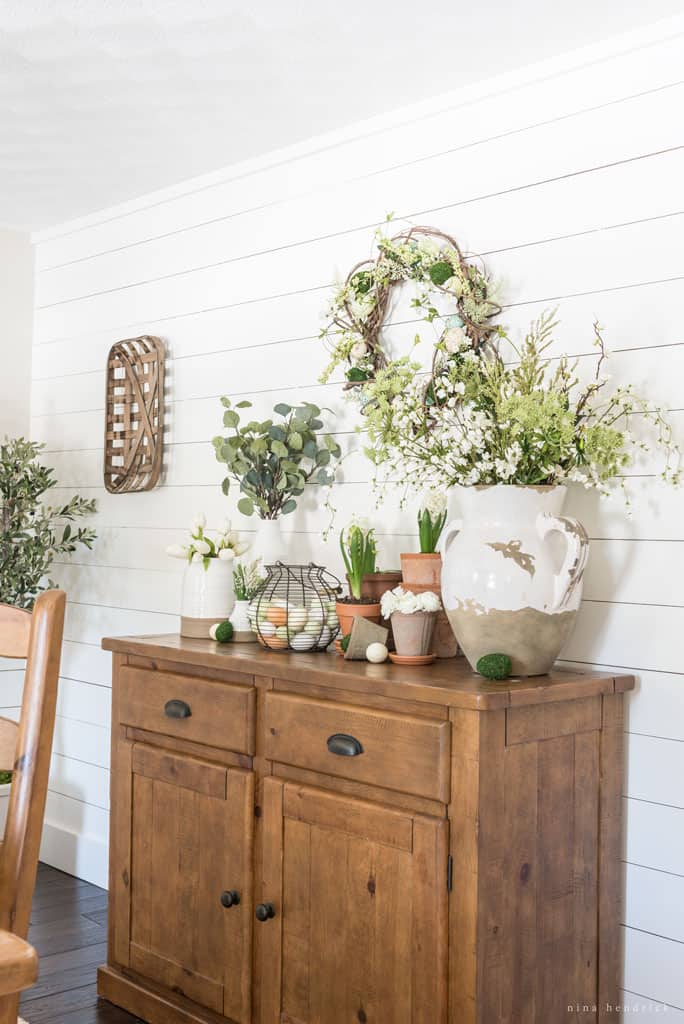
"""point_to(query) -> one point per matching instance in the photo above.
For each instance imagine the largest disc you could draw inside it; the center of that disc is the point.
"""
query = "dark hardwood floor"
(69, 930)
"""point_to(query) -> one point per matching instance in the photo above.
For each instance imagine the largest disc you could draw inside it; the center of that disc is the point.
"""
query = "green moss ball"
(224, 632)
(494, 666)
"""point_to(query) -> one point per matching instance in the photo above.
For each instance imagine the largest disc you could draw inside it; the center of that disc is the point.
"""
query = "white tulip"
(202, 547)
(197, 557)
(226, 554)
(199, 522)
(226, 527)
(241, 547)
(177, 551)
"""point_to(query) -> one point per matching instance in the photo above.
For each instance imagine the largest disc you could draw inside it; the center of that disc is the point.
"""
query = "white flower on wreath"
(455, 339)
(359, 350)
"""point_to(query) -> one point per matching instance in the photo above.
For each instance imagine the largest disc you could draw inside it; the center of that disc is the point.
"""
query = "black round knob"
(230, 898)
(264, 911)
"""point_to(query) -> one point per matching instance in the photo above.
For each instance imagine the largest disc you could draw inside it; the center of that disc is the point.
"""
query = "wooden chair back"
(26, 749)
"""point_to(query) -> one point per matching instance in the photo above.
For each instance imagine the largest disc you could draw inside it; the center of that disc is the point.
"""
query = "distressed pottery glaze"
(505, 585)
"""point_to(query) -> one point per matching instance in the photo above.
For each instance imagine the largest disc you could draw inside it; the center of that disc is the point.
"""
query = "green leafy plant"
(273, 460)
(530, 420)
(247, 580)
(33, 533)
(358, 551)
(431, 520)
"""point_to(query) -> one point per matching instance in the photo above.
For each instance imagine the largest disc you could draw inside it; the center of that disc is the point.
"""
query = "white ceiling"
(104, 100)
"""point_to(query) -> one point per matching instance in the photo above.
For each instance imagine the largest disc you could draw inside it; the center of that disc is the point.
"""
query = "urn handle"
(453, 527)
(569, 577)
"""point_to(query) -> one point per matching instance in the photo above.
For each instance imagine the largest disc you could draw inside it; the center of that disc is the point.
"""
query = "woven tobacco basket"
(134, 416)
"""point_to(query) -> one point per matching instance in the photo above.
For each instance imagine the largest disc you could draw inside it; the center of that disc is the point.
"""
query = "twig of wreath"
(434, 261)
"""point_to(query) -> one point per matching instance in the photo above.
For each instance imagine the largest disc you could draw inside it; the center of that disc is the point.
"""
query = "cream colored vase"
(208, 596)
(508, 586)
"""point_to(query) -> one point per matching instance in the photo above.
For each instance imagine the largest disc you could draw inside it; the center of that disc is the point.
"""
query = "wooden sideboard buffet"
(297, 839)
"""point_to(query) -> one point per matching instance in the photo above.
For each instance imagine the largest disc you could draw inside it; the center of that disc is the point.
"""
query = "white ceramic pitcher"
(502, 587)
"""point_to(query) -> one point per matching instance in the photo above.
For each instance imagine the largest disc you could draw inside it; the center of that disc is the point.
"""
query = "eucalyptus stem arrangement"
(273, 460)
(34, 534)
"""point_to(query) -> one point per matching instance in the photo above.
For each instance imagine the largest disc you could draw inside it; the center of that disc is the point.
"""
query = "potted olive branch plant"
(272, 461)
(359, 550)
(33, 533)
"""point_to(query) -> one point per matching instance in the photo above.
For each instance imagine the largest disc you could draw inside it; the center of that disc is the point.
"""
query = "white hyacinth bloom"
(435, 501)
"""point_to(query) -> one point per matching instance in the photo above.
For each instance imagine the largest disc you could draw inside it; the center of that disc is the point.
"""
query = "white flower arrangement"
(400, 600)
(226, 546)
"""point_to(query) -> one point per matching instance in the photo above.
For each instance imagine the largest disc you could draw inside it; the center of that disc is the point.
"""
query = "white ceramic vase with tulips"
(208, 594)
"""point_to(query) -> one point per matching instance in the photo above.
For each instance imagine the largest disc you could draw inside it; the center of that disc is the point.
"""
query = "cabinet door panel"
(362, 935)
(191, 841)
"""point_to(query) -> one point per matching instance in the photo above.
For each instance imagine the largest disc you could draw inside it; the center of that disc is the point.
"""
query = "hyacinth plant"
(247, 580)
(359, 552)
(480, 420)
(226, 545)
(431, 520)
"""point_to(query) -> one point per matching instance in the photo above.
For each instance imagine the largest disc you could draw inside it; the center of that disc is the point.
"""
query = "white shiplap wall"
(567, 178)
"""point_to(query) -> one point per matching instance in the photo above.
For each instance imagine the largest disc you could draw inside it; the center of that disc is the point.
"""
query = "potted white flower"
(247, 581)
(208, 593)
(413, 618)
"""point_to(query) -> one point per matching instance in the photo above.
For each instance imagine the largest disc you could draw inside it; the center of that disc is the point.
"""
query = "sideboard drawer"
(395, 751)
(214, 713)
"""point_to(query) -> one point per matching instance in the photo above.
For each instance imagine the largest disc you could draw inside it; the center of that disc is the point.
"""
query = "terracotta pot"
(444, 643)
(346, 613)
(425, 570)
(375, 584)
(413, 633)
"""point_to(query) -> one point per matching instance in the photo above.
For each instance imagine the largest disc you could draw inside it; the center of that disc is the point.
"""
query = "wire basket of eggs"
(294, 610)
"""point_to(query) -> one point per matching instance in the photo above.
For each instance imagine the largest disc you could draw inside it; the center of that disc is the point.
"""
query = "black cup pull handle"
(344, 746)
(177, 709)
(264, 911)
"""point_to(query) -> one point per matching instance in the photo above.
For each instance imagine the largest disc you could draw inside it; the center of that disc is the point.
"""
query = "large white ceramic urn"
(508, 587)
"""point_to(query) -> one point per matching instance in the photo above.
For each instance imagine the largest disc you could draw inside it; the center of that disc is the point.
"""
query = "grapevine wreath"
(433, 260)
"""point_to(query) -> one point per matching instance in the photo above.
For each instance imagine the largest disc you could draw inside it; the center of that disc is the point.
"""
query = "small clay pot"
(424, 570)
(413, 632)
(348, 610)
(444, 643)
(375, 584)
